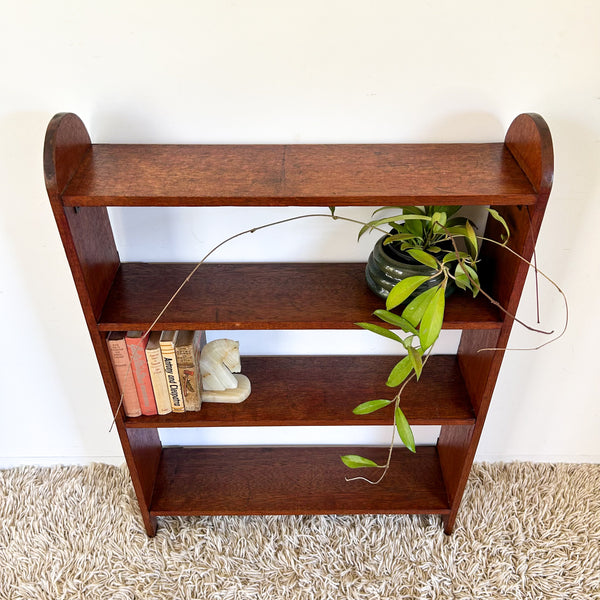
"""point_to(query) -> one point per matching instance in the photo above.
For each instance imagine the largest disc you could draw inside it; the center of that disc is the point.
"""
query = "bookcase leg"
(457, 443)
(143, 450)
(449, 521)
(456, 450)
(151, 525)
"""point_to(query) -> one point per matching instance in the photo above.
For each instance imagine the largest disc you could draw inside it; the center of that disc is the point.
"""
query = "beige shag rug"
(525, 531)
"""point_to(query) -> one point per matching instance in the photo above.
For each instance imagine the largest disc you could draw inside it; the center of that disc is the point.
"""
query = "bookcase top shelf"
(298, 175)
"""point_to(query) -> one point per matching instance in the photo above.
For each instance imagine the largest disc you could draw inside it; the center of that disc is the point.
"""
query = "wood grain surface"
(323, 390)
(302, 175)
(261, 296)
(294, 480)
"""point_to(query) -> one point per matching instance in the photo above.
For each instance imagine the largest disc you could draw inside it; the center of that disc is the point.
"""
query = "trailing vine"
(429, 235)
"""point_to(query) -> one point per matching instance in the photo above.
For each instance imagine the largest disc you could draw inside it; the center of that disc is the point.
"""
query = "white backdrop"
(311, 71)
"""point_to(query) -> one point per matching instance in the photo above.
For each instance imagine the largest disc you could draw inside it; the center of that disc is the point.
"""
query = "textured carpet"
(524, 531)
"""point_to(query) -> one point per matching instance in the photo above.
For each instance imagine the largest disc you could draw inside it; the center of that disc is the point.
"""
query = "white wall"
(311, 71)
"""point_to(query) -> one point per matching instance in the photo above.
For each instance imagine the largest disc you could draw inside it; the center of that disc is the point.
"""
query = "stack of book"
(157, 373)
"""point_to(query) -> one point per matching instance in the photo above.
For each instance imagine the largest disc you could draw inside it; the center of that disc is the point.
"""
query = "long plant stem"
(535, 267)
(240, 234)
(547, 278)
(484, 293)
(332, 216)
(396, 402)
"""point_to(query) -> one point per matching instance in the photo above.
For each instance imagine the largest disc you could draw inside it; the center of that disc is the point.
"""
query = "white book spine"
(172, 376)
(159, 380)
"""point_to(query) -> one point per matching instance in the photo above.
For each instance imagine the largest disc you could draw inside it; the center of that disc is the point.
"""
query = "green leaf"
(399, 373)
(407, 341)
(356, 462)
(415, 226)
(439, 217)
(438, 222)
(424, 258)
(415, 310)
(471, 271)
(452, 256)
(378, 222)
(332, 209)
(385, 208)
(404, 430)
(416, 361)
(419, 217)
(413, 210)
(471, 239)
(474, 279)
(449, 210)
(380, 331)
(403, 289)
(431, 324)
(500, 219)
(371, 406)
(398, 237)
(394, 319)
(400, 208)
(457, 231)
(364, 230)
(460, 277)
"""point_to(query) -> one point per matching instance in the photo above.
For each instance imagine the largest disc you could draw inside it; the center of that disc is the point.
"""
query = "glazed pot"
(387, 265)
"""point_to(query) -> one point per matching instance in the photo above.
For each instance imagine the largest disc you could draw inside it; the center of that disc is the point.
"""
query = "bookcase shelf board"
(83, 179)
(304, 175)
(323, 390)
(293, 480)
(260, 296)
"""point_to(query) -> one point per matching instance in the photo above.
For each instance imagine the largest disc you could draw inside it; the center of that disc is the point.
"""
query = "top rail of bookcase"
(298, 175)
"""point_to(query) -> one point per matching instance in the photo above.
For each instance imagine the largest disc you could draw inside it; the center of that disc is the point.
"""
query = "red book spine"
(136, 347)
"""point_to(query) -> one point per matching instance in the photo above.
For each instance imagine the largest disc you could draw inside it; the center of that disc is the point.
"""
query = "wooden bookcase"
(82, 179)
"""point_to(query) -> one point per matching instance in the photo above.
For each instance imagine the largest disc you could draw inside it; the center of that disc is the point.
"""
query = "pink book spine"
(119, 356)
(136, 346)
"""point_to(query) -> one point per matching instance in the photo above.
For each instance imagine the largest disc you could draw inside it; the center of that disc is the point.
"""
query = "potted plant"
(428, 252)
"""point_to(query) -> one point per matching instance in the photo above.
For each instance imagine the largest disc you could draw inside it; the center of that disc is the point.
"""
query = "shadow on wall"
(43, 301)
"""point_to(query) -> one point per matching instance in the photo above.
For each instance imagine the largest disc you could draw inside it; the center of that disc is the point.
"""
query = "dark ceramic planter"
(388, 265)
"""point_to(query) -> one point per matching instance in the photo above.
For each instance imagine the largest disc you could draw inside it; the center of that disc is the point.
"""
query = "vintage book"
(117, 349)
(187, 351)
(156, 367)
(136, 347)
(167, 348)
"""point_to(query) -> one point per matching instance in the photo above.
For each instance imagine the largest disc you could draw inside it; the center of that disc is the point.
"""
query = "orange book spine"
(136, 347)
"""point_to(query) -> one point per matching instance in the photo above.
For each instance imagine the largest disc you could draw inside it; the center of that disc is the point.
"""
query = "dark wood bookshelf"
(83, 179)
